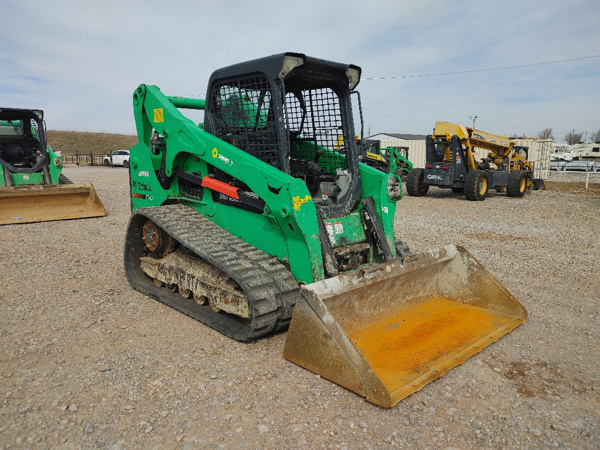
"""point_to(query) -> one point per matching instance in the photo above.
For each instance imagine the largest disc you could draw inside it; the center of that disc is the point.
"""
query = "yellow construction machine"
(452, 162)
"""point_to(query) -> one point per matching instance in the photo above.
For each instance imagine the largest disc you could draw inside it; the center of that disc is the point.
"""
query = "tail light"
(446, 167)
(428, 166)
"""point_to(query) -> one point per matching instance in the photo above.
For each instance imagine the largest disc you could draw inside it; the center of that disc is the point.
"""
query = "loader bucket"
(387, 331)
(40, 203)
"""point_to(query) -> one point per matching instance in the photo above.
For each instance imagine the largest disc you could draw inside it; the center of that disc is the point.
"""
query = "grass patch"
(73, 142)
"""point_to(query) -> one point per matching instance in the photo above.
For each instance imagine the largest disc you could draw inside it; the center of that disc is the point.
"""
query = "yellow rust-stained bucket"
(386, 332)
(38, 203)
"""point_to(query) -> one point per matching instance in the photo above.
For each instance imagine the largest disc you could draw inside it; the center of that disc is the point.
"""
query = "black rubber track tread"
(64, 180)
(270, 287)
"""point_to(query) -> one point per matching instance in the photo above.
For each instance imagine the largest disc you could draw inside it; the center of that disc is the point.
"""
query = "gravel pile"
(87, 362)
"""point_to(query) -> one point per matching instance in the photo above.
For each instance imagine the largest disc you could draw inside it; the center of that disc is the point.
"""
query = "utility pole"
(473, 119)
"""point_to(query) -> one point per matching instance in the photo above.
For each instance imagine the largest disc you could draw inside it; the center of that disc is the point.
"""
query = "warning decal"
(158, 115)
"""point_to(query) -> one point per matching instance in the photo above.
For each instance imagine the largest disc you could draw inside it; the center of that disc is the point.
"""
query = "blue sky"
(81, 61)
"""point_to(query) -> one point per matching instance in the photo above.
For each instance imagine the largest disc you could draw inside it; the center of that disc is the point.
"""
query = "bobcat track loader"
(32, 188)
(257, 221)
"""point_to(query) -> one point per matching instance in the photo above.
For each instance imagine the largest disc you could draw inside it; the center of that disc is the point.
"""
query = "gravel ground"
(86, 361)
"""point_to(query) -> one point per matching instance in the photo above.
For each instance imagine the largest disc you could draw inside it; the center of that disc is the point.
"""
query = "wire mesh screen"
(190, 190)
(243, 117)
(314, 118)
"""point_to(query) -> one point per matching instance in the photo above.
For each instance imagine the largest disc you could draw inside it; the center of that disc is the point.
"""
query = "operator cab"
(22, 139)
(292, 112)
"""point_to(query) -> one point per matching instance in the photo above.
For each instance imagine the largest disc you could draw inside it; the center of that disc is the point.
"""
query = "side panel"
(374, 184)
(26, 179)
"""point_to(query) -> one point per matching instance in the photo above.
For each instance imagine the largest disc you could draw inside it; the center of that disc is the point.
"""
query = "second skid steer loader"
(32, 188)
(259, 217)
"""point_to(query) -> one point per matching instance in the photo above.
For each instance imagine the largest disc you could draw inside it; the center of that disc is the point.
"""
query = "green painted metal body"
(398, 161)
(54, 165)
(25, 179)
(388, 159)
(288, 224)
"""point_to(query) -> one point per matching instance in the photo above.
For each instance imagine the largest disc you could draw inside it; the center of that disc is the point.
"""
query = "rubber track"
(270, 287)
(64, 180)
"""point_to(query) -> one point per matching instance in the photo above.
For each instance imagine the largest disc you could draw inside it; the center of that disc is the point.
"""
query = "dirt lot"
(87, 362)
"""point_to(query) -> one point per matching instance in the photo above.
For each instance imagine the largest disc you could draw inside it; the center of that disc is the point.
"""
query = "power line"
(482, 70)
(555, 132)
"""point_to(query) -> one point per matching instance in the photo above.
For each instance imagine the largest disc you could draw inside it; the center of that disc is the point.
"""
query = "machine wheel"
(476, 185)
(156, 240)
(414, 183)
(458, 190)
(517, 183)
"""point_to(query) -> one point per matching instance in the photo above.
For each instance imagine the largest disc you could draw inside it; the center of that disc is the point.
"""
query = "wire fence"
(89, 159)
(578, 176)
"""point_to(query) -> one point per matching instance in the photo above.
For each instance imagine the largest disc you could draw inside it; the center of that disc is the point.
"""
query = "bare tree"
(546, 133)
(573, 138)
(595, 136)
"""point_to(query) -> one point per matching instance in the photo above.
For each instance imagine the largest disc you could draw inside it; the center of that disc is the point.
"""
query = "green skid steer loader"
(257, 221)
(387, 159)
(32, 188)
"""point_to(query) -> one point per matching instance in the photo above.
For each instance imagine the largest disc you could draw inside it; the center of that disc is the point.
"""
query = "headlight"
(353, 77)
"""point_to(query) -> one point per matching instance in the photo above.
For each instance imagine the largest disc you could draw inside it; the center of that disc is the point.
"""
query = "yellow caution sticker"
(158, 115)
(298, 202)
